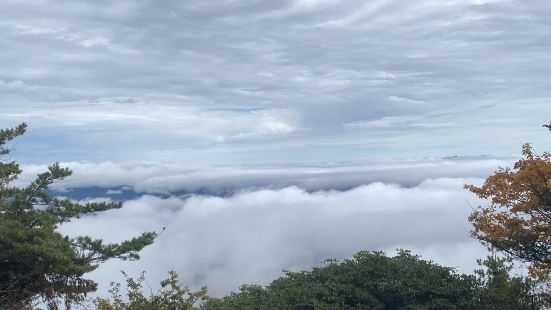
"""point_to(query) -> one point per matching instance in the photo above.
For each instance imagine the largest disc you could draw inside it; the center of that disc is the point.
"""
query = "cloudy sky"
(269, 135)
(236, 82)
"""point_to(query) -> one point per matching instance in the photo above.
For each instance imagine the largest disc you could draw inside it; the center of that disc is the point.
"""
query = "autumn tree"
(36, 261)
(517, 220)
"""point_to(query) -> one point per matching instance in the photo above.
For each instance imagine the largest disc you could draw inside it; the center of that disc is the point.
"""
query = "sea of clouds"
(228, 226)
(234, 81)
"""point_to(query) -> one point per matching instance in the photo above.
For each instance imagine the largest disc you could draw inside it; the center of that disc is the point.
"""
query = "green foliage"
(500, 290)
(35, 260)
(371, 280)
(172, 296)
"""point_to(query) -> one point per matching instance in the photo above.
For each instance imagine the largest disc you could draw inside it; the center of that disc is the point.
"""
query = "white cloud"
(149, 177)
(399, 121)
(251, 236)
(12, 85)
(176, 120)
(268, 218)
(279, 218)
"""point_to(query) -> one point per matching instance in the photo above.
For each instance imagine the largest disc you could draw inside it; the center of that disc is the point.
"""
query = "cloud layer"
(232, 82)
(172, 179)
(227, 226)
(175, 101)
(252, 236)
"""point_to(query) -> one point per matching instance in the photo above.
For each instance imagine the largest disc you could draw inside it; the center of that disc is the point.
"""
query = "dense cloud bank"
(118, 180)
(252, 234)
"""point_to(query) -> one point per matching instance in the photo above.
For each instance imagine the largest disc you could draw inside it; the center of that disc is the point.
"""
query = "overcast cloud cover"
(270, 135)
(230, 81)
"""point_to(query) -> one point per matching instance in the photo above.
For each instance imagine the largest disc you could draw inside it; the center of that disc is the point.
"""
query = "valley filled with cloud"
(228, 226)
(272, 135)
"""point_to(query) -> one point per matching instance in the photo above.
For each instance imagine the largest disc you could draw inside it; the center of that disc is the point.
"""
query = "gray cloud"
(235, 81)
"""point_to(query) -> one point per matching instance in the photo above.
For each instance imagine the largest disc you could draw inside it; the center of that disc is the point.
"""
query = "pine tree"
(36, 261)
(501, 290)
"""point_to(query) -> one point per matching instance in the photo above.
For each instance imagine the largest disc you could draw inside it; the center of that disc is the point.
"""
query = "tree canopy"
(371, 280)
(498, 289)
(518, 219)
(36, 261)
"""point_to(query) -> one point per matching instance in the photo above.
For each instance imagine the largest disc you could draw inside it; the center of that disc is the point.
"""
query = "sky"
(271, 135)
(241, 82)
